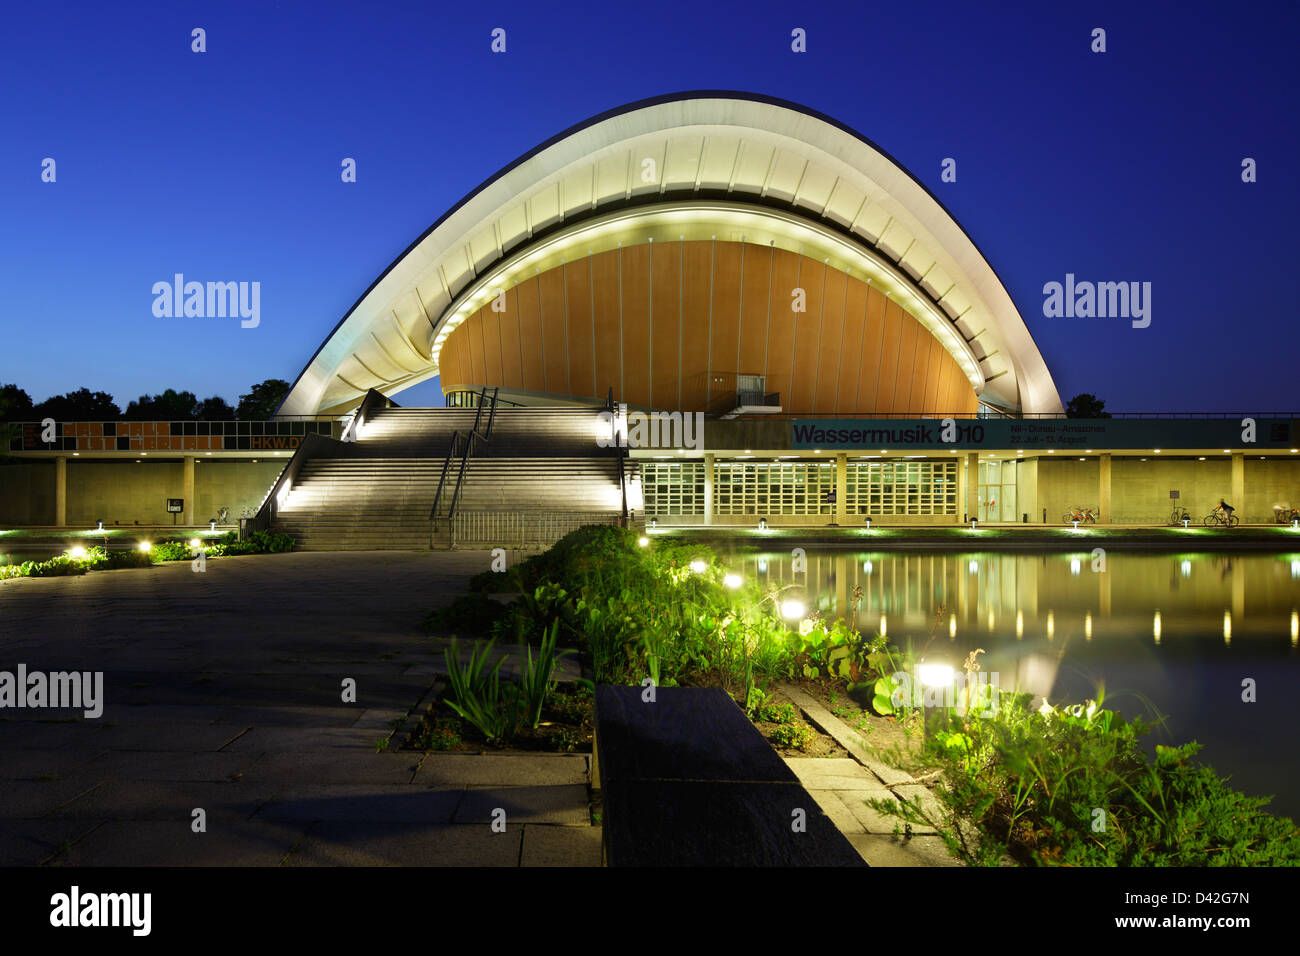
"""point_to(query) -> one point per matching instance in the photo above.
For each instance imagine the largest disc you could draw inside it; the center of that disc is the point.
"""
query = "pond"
(1165, 634)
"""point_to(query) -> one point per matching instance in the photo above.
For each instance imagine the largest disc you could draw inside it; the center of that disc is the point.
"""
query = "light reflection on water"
(1171, 634)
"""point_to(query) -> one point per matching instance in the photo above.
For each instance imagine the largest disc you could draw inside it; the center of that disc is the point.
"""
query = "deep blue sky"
(225, 165)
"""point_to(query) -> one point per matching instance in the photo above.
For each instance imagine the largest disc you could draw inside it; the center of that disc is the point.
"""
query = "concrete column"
(841, 488)
(1103, 498)
(1238, 499)
(61, 491)
(188, 493)
(972, 486)
(708, 489)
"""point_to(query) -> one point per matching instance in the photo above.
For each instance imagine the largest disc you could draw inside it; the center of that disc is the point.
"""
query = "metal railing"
(462, 446)
(519, 529)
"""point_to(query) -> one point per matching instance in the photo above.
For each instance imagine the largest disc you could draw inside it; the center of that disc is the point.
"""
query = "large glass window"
(773, 488)
(673, 488)
(902, 488)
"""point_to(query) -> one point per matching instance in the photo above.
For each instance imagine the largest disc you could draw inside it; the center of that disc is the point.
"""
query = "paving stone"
(42, 765)
(502, 770)
(169, 765)
(839, 814)
(296, 739)
(561, 846)
(31, 799)
(157, 843)
(881, 850)
(166, 735)
(564, 805)
(362, 804)
(871, 819)
(331, 766)
(165, 800)
(378, 721)
(31, 842)
(407, 844)
(844, 735)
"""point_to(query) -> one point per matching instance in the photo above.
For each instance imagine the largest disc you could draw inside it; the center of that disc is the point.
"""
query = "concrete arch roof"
(730, 165)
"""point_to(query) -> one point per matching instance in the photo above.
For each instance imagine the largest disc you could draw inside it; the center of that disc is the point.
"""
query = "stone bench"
(687, 780)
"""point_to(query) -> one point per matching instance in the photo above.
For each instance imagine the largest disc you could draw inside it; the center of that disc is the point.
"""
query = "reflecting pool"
(1179, 635)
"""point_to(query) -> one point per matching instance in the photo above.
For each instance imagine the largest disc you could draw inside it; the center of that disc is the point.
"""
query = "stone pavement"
(842, 787)
(223, 692)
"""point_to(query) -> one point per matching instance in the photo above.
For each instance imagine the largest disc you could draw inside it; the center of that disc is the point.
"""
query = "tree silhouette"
(1086, 405)
(83, 405)
(262, 400)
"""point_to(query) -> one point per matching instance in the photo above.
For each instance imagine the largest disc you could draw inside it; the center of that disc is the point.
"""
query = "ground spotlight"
(145, 546)
(698, 566)
(792, 610)
(643, 541)
(732, 581)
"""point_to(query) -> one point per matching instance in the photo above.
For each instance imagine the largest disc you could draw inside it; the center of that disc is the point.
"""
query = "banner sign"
(1100, 434)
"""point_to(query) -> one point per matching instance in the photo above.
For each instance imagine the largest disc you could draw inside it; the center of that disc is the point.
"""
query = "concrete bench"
(687, 780)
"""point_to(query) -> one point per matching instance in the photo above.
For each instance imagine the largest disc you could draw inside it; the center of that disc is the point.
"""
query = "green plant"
(792, 736)
(1072, 786)
(442, 733)
(478, 694)
(381, 744)
(535, 677)
(170, 551)
(777, 713)
(472, 613)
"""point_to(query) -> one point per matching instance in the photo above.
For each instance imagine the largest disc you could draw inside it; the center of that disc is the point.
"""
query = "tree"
(1086, 405)
(262, 400)
(15, 404)
(215, 409)
(83, 405)
(170, 406)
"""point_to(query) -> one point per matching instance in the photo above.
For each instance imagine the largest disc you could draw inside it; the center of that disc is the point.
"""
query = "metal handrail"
(469, 439)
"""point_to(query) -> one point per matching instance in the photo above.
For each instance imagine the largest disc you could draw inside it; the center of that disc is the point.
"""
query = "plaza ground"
(223, 692)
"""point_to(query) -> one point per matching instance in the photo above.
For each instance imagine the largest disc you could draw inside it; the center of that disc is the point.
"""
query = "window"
(673, 488)
(902, 488)
(776, 488)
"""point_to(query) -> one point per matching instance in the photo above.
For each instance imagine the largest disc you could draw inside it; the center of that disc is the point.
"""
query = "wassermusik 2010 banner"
(1050, 433)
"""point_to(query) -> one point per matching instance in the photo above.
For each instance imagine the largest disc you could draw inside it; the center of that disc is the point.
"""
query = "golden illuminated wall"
(669, 325)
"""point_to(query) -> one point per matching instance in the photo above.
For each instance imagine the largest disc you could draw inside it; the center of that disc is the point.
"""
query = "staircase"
(539, 474)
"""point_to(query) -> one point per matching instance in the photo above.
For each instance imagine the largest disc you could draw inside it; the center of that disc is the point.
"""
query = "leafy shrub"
(469, 613)
(792, 736)
(170, 551)
(777, 713)
(1072, 786)
(443, 733)
(259, 542)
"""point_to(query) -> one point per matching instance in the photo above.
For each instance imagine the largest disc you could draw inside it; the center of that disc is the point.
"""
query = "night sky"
(224, 166)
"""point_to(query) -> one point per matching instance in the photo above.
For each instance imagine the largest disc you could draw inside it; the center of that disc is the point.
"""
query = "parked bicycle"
(1081, 515)
(1220, 517)
(1285, 515)
(1180, 515)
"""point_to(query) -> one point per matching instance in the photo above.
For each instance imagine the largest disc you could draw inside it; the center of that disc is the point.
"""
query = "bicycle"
(1081, 515)
(1179, 516)
(1217, 517)
(1286, 515)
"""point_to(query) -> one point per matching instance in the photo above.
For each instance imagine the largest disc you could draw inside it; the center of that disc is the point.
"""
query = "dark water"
(1172, 634)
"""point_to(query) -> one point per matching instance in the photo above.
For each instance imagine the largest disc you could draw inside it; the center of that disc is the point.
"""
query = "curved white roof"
(729, 165)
